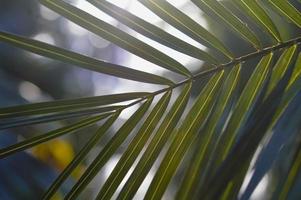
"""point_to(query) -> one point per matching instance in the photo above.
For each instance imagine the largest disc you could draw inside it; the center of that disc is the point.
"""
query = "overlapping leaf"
(222, 133)
(115, 35)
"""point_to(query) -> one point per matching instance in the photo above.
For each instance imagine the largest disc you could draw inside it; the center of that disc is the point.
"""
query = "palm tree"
(244, 122)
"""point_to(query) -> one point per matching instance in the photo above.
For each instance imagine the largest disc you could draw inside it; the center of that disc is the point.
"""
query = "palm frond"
(244, 104)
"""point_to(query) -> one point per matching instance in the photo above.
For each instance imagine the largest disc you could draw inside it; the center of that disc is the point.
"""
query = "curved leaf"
(187, 133)
(156, 145)
(208, 137)
(10, 123)
(134, 149)
(258, 14)
(50, 135)
(85, 62)
(185, 24)
(243, 107)
(216, 9)
(292, 176)
(108, 151)
(152, 31)
(284, 8)
(67, 105)
(280, 67)
(115, 35)
(79, 157)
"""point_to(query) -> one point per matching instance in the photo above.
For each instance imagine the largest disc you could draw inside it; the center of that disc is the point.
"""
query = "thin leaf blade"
(156, 145)
(108, 151)
(286, 9)
(49, 136)
(82, 61)
(206, 145)
(258, 14)
(152, 31)
(184, 138)
(67, 105)
(214, 8)
(79, 157)
(116, 36)
(188, 26)
(133, 150)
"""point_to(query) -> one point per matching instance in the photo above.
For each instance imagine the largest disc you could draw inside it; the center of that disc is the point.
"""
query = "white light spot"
(110, 166)
(92, 10)
(121, 4)
(29, 91)
(48, 14)
(75, 29)
(177, 3)
(43, 37)
(141, 11)
(97, 41)
(260, 190)
(127, 113)
(180, 57)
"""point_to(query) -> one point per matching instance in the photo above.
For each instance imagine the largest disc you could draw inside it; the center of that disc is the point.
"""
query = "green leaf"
(292, 176)
(79, 157)
(67, 105)
(115, 35)
(82, 61)
(152, 31)
(258, 14)
(225, 17)
(280, 67)
(187, 133)
(185, 24)
(291, 91)
(50, 135)
(240, 156)
(243, 107)
(284, 8)
(134, 149)
(11, 123)
(296, 73)
(209, 136)
(156, 145)
(109, 150)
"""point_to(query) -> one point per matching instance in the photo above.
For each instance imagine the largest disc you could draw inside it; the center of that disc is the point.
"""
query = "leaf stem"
(220, 67)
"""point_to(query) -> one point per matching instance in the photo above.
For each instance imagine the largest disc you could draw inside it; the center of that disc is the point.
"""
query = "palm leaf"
(241, 104)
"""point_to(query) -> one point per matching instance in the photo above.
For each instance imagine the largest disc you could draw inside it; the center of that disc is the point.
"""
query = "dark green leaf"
(280, 67)
(185, 24)
(134, 149)
(156, 145)
(187, 133)
(208, 137)
(258, 14)
(108, 151)
(243, 107)
(50, 135)
(224, 16)
(85, 62)
(11, 123)
(115, 35)
(67, 105)
(287, 10)
(152, 31)
(79, 157)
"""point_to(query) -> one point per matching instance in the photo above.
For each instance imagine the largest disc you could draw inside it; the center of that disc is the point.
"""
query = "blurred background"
(29, 78)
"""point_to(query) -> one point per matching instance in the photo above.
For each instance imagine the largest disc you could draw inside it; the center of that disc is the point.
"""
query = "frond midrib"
(220, 67)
